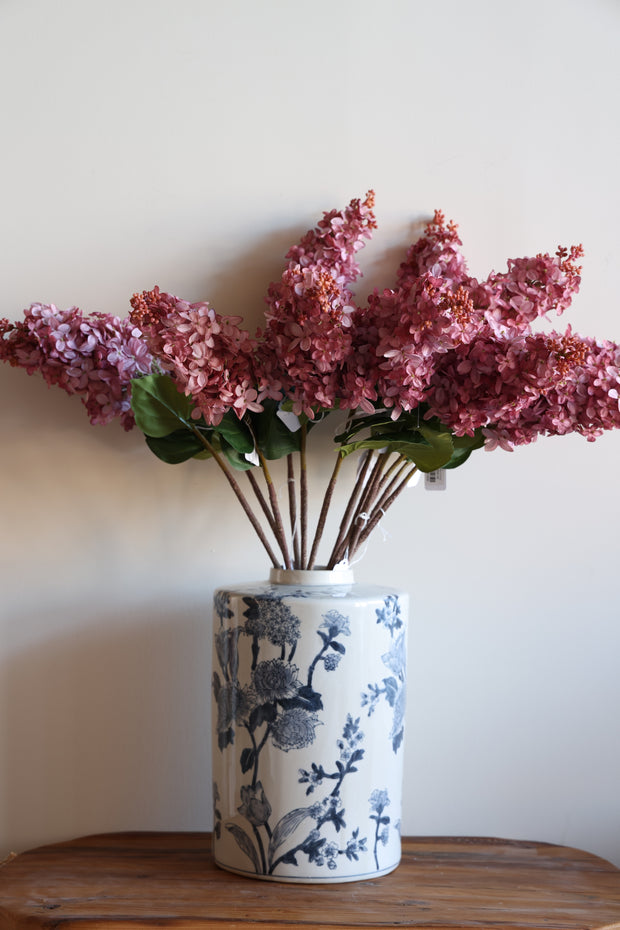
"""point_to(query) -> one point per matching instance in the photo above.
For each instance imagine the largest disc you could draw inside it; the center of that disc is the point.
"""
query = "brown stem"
(367, 499)
(385, 488)
(344, 523)
(292, 508)
(329, 493)
(398, 463)
(303, 493)
(275, 509)
(239, 495)
(379, 511)
(261, 500)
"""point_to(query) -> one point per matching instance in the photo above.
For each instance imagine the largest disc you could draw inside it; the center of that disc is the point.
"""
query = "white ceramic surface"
(308, 716)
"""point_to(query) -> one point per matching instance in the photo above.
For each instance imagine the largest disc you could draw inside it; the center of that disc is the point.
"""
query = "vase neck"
(316, 576)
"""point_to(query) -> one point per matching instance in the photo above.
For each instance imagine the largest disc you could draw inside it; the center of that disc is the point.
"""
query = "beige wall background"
(188, 143)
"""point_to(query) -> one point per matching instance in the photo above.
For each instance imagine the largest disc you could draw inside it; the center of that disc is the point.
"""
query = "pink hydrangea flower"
(210, 357)
(307, 336)
(399, 339)
(465, 350)
(95, 357)
(338, 236)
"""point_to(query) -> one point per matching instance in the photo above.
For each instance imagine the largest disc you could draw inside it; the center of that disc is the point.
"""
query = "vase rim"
(341, 574)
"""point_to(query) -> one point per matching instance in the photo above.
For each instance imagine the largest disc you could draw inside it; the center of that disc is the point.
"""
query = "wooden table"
(137, 880)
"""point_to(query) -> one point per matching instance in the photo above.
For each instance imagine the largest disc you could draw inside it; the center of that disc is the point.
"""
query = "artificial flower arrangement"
(422, 375)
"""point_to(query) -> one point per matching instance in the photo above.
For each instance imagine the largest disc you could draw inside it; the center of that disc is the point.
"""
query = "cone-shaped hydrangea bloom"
(584, 399)
(308, 322)
(93, 356)
(465, 348)
(338, 236)
(494, 381)
(399, 338)
(209, 356)
(499, 379)
(436, 253)
(530, 288)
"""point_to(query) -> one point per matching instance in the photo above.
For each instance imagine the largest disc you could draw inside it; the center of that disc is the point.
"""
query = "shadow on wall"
(239, 286)
(107, 728)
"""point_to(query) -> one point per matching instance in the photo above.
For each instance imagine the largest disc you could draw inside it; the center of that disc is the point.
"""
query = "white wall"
(188, 143)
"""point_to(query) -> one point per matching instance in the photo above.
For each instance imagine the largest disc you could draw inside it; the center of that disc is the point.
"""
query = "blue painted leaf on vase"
(307, 698)
(289, 858)
(248, 756)
(397, 739)
(391, 687)
(264, 713)
(389, 615)
(245, 843)
(225, 738)
(285, 827)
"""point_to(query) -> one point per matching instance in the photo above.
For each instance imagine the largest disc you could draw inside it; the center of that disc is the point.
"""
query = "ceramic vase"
(308, 704)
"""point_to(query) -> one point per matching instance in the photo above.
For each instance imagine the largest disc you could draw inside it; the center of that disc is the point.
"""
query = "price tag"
(435, 480)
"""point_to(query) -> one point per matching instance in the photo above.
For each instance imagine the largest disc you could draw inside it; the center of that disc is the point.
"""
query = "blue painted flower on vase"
(276, 688)
(378, 801)
(392, 687)
(281, 706)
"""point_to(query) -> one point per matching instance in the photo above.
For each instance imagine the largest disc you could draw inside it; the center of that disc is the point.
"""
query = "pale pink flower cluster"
(307, 338)
(95, 357)
(210, 357)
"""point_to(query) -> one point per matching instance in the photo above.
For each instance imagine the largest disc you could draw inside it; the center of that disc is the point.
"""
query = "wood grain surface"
(137, 880)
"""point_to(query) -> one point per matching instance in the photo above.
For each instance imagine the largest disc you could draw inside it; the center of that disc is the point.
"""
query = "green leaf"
(233, 457)
(273, 437)
(463, 448)
(372, 421)
(177, 447)
(235, 432)
(427, 447)
(158, 406)
(426, 457)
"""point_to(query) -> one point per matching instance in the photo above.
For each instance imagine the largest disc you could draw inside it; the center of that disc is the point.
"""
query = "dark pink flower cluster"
(95, 357)
(462, 350)
(584, 400)
(399, 338)
(307, 338)
(531, 288)
(338, 236)
(210, 357)
(466, 349)
(435, 253)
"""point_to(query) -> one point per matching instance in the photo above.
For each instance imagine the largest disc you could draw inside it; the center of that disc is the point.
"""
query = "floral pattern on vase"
(300, 784)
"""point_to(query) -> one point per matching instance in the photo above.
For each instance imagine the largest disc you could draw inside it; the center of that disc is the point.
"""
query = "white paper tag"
(290, 420)
(435, 480)
(252, 457)
(415, 479)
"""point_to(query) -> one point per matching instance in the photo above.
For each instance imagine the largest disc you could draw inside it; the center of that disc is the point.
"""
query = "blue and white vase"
(308, 718)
